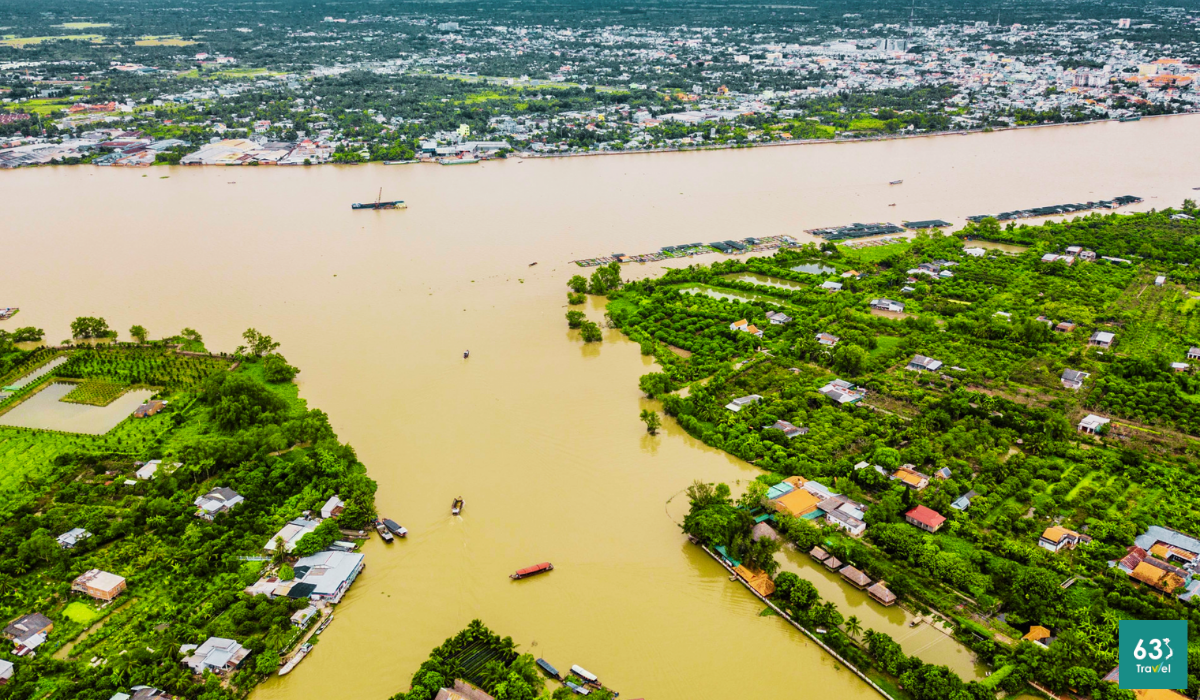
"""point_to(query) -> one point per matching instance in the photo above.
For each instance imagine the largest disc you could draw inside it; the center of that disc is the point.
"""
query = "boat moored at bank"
(548, 669)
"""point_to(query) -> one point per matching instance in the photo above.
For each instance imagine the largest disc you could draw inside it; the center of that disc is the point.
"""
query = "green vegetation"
(995, 415)
(96, 392)
(185, 574)
(483, 659)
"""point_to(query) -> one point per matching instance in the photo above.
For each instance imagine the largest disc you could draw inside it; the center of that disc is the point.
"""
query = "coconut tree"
(853, 626)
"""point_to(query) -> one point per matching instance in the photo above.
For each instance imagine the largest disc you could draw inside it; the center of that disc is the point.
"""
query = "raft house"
(1054, 210)
(687, 250)
(838, 233)
(927, 224)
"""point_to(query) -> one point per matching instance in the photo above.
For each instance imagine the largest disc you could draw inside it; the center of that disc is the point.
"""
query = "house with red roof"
(925, 518)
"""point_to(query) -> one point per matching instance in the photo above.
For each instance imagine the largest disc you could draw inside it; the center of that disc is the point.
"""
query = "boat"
(548, 669)
(585, 674)
(1131, 118)
(457, 506)
(396, 528)
(532, 264)
(579, 690)
(466, 354)
(458, 161)
(296, 659)
(892, 205)
(380, 204)
(896, 182)
(533, 571)
(324, 623)
(383, 532)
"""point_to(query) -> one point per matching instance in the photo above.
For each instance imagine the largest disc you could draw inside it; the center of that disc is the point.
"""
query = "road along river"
(538, 432)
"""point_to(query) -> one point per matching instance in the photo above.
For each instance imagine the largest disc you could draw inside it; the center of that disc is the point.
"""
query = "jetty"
(1056, 209)
(296, 659)
(688, 250)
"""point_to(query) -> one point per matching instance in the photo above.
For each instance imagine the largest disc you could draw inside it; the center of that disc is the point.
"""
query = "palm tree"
(853, 626)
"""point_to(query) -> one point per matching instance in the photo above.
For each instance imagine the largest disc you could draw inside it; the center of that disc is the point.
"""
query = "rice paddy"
(17, 42)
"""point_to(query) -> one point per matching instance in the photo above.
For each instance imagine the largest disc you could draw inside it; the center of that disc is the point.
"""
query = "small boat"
(383, 532)
(896, 182)
(892, 204)
(466, 354)
(296, 659)
(579, 690)
(396, 528)
(1131, 118)
(324, 624)
(533, 571)
(458, 161)
(457, 506)
(585, 674)
(532, 264)
(548, 669)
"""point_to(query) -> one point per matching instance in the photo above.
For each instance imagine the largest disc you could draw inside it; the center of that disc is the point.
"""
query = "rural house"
(1057, 539)
(72, 537)
(28, 632)
(925, 518)
(1073, 379)
(1101, 339)
(98, 584)
(920, 363)
(908, 475)
(1092, 424)
(216, 654)
(219, 500)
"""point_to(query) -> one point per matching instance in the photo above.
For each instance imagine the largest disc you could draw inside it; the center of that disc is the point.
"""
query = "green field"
(81, 612)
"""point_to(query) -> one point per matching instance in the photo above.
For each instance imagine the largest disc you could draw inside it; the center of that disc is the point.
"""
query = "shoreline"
(675, 149)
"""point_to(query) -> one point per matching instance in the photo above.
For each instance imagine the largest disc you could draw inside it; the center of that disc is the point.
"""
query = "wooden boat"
(324, 623)
(896, 182)
(548, 669)
(533, 263)
(532, 571)
(579, 690)
(457, 506)
(466, 354)
(296, 659)
(585, 674)
(395, 528)
(383, 532)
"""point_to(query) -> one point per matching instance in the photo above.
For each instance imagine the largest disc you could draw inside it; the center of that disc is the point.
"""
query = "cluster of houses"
(1068, 258)
(810, 500)
(887, 305)
(1165, 560)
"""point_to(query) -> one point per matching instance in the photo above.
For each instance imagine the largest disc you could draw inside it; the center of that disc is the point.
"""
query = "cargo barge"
(379, 204)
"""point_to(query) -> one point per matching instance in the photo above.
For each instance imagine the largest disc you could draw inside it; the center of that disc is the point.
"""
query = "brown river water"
(538, 432)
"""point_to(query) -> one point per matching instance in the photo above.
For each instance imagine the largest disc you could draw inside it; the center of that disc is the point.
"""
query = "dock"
(688, 250)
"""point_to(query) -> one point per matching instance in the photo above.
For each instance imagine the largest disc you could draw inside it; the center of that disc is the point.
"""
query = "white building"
(216, 654)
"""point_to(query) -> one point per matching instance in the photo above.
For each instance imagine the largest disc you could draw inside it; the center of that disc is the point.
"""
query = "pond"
(45, 411)
(815, 269)
(733, 295)
(38, 373)
(765, 281)
(1006, 247)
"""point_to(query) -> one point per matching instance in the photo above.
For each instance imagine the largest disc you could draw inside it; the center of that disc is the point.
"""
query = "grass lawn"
(23, 41)
(163, 41)
(45, 106)
(885, 344)
(866, 124)
(82, 613)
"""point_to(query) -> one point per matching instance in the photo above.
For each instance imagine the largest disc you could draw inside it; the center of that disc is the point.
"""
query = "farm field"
(95, 392)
